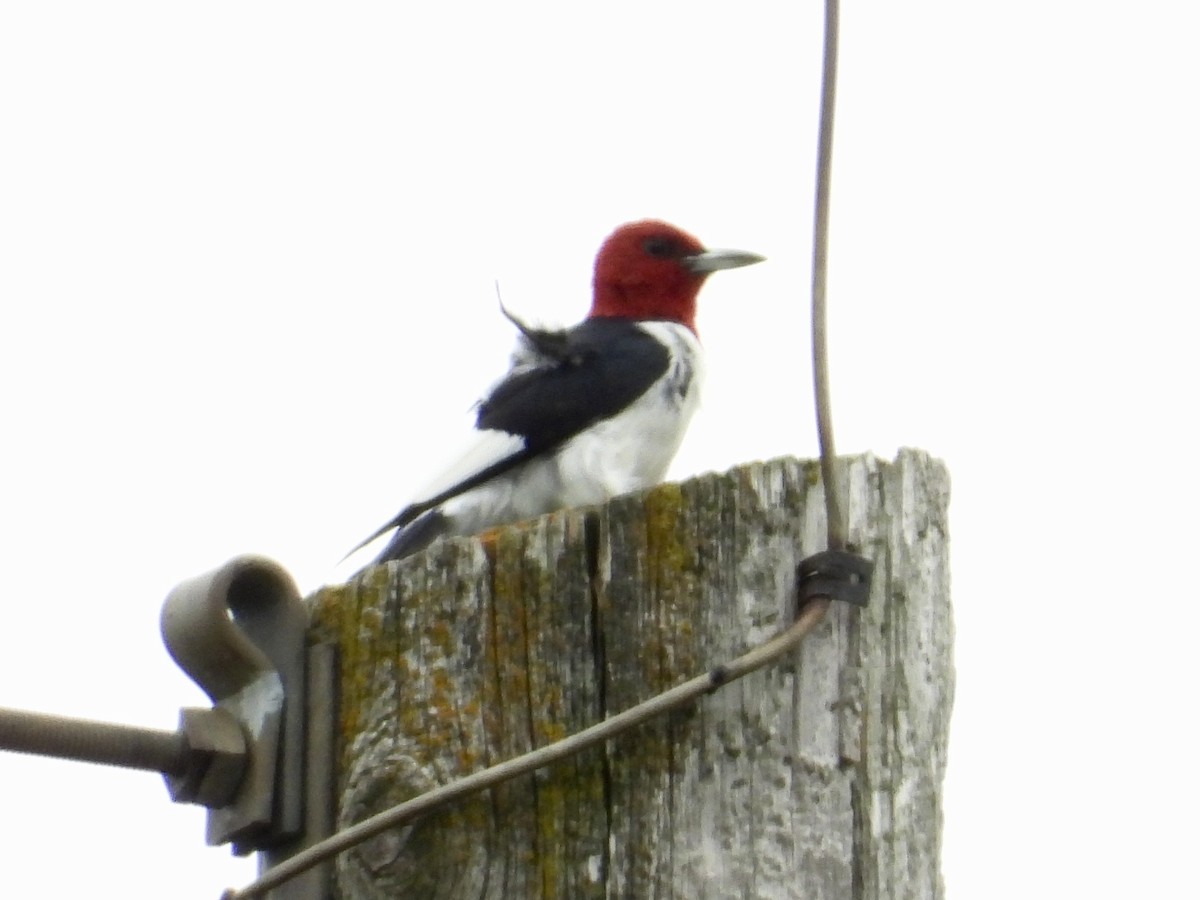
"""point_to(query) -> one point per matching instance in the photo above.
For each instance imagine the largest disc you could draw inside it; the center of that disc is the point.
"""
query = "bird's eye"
(661, 248)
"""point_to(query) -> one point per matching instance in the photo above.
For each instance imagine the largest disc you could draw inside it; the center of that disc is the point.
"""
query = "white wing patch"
(488, 448)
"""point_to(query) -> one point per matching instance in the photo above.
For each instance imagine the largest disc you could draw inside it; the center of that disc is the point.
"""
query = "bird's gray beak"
(712, 260)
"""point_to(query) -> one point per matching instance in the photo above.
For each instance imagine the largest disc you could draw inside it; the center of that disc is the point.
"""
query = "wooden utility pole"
(816, 778)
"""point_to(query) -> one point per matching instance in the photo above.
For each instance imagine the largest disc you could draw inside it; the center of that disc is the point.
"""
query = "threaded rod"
(96, 742)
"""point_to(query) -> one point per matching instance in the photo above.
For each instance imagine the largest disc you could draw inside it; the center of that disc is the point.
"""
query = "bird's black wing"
(587, 374)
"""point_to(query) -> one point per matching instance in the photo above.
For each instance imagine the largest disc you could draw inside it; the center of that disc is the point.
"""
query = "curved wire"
(679, 695)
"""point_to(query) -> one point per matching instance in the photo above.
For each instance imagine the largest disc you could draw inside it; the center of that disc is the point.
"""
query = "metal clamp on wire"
(836, 575)
(239, 633)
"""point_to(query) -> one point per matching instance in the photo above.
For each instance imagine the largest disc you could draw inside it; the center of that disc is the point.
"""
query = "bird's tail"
(411, 536)
(415, 537)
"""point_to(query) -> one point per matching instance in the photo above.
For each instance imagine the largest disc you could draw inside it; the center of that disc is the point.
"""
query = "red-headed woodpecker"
(586, 413)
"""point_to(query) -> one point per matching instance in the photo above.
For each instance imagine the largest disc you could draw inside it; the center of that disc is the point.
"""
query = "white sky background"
(246, 272)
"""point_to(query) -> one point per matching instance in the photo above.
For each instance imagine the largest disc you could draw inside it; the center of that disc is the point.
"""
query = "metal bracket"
(262, 759)
(321, 711)
(239, 633)
(837, 575)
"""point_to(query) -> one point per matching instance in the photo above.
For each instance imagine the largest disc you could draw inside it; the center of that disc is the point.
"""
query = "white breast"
(634, 449)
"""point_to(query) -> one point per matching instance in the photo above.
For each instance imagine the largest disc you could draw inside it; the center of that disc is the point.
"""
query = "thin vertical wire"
(836, 522)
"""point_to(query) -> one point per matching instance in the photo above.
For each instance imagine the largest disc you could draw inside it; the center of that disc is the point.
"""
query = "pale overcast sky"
(247, 255)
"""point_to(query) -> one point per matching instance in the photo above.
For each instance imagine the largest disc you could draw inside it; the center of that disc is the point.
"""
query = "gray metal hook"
(239, 633)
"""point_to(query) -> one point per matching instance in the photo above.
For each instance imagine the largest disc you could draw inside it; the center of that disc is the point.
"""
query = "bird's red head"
(652, 270)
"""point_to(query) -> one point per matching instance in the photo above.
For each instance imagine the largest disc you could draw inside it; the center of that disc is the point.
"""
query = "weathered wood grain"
(815, 778)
